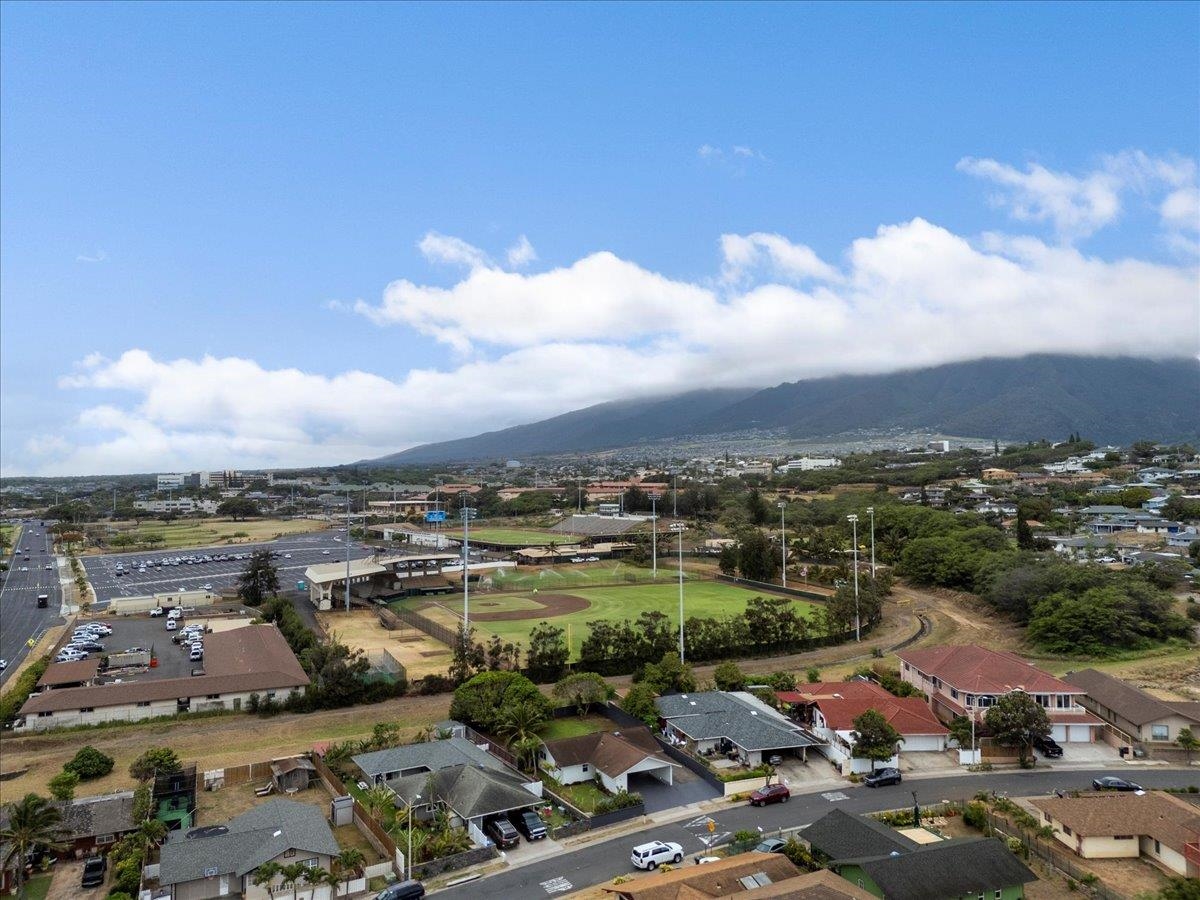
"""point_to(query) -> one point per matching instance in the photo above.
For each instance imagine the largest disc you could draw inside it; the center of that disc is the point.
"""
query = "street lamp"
(408, 859)
(348, 501)
(783, 538)
(854, 529)
(871, 510)
(679, 528)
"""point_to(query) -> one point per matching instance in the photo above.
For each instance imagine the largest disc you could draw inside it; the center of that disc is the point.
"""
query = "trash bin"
(1124, 751)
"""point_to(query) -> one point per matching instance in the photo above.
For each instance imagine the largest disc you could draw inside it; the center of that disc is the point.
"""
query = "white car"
(172, 624)
(66, 654)
(196, 654)
(655, 853)
(158, 611)
(208, 587)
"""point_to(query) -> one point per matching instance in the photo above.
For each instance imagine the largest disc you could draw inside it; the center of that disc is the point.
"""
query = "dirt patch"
(552, 605)
(361, 628)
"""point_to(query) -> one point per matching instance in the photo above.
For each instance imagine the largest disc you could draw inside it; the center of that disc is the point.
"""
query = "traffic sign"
(435, 515)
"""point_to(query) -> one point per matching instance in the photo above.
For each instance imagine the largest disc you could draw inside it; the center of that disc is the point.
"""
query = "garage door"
(1079, 733)
(1059, 733)
(921, 742)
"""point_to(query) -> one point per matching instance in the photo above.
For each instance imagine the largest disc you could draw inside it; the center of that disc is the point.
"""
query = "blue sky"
(203, 207)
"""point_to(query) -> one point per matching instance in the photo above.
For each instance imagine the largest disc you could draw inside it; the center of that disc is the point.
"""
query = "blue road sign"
(435, 515)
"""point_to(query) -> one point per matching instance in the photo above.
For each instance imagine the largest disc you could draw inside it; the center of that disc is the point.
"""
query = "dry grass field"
(206, 532)
(419, 654)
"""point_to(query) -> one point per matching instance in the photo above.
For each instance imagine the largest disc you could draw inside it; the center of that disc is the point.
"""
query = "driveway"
(65, 885)
(688, 788)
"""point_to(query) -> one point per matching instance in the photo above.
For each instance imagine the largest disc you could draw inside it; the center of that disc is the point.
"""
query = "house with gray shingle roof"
(946, 870)
(220, 860)
(425, 757)
(469, 793)
(732, 722)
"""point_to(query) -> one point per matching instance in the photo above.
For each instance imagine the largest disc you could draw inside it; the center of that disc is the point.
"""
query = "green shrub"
(14, 698)
(90, 763)
(975, 815)
(619, 800)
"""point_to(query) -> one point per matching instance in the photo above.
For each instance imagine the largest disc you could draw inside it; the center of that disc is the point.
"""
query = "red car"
(775, 793)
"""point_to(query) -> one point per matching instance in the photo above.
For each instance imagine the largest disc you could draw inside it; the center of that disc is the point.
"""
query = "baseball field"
(512, 615)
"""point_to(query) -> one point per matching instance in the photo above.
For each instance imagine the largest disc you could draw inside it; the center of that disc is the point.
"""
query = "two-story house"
(967, 680)
(1138, 718)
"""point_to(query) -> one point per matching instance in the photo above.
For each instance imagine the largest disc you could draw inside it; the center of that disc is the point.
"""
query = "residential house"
(966, 680)
(608, 757)
(751, 875)
(1183, 538)
(999, 475)
(946, 870)
(90, 824)
(237, 663)
(469, 793)
(428, 756)
(220, 860)
(1140, 719)
(1155, 825)
(734, 723)
(842, 835)
(830, 709)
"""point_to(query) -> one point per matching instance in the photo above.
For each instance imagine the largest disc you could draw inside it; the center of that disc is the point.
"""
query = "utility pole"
(871, 510)
(679, 528)
(654, 534)
(348, 503)
(675, 498)
(783, 537)
(854, 529)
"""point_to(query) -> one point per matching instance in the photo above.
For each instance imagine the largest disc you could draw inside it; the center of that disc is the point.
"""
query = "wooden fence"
(375, 833)
(1046, 850)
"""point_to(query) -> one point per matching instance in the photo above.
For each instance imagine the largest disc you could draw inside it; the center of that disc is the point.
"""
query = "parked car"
(772, 793)
(655, 853)
(68, 655)
(158, 611)
(93, 871)
(172, 624)
(502, 832)
(1048, 747)
(197, 653)
(403, 890)
(87, 646)
(528, 823)
(880, 777)
(3, 664)
(771, 845)
(1111, 783)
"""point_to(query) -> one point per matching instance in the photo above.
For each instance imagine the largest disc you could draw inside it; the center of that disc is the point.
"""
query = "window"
(1042, 700)
(105, 838)
(1160, 732)
(1066, 830)
(84, 709)
(1157, 848)
(996, 895)
(212, 696)
(585, 767)
(954, 693)
(312, 862)
(143, 703)
(44, 715)
(1062, 701)
(1122, 837)
(289, 853)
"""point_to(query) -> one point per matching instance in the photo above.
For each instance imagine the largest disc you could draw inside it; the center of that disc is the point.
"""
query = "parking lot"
(152, 634)
(167, 570)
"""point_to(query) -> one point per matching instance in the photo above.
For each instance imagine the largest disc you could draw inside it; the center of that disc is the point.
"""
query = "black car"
(528, 824)
(1111, 783)
(1048, 747)
(880, 777)
(93, 871)
(404, 890)
(502, 832)
(87, 646)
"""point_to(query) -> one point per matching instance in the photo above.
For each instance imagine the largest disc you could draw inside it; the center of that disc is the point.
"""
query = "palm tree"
(377, 799)
(264, 875)
(520, 724)
(33, 822)
(292, 874)
(148, 834)
(346, 864)
(315, 875)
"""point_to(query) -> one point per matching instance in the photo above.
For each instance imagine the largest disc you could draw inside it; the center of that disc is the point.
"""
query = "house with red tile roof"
(966, 680)
(830, 708)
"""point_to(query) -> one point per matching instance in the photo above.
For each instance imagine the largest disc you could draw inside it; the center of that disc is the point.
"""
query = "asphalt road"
(593, 864)
(305, 550)
(20, 618)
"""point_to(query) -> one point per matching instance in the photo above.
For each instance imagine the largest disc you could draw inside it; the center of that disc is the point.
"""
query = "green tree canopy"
(874, 737)
(581, 690)
(1015, 720)
(155, 761)
(259, 580)
(485, 700)
(89, 763)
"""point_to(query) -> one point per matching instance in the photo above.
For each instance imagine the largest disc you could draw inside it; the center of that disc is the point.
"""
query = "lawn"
(573, 726)
(36, 888)
(584, 795)
(207, 532)
(701, 598)
(580, 575)
(12, 533)
(516, 537)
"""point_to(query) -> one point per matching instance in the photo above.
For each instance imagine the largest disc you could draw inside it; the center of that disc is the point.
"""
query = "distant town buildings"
(811, 463)
(227, 479)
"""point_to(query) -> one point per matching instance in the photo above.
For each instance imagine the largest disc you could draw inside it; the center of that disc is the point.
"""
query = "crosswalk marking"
(834, 796)
(556, 885)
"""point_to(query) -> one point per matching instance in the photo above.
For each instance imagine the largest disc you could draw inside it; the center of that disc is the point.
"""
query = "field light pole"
(679, 528)
(654, 534)
(783, 537)
(871, 510)
(854, 528)
(675, 495)
(467, 515)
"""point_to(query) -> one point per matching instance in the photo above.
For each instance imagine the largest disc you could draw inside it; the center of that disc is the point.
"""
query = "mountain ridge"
(1108, 399)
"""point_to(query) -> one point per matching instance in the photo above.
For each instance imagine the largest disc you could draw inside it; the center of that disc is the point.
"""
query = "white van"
(655, 853)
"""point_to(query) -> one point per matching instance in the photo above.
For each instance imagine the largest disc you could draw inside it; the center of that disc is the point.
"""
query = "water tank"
(341, 810)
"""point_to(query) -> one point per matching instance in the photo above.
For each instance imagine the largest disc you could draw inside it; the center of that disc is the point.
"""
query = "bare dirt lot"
(212, 743)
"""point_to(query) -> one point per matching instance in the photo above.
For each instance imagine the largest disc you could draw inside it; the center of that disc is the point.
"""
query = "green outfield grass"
(701, 598)
(579, 575)
(514, 537)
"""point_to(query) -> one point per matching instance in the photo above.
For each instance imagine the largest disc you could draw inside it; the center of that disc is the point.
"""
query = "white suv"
(655, 853)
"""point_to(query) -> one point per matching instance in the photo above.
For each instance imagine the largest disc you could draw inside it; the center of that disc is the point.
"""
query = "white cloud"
(1079, 205)
(439, 248)
(912, 294)
(744, 253)
(734, 158)
(98, 257)
(521, 253)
